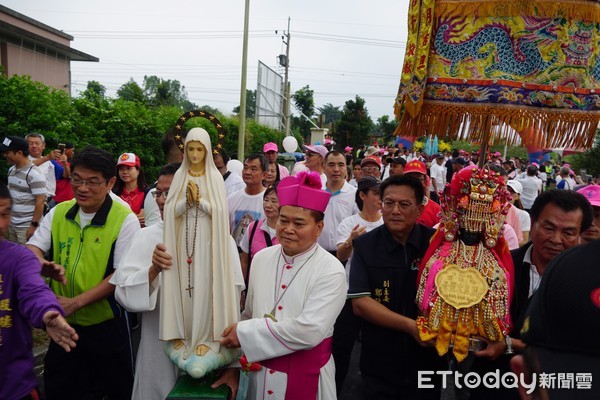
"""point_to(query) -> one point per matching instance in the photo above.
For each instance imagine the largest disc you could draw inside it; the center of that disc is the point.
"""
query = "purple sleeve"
(35, 297)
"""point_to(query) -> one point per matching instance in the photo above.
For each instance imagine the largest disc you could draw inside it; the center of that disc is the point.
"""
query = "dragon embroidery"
(519, 58)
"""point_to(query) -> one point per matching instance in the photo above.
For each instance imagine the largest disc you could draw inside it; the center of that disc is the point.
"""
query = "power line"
(233, 34)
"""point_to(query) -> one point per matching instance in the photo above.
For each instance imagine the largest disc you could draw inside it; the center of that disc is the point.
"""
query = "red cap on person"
(416, 166)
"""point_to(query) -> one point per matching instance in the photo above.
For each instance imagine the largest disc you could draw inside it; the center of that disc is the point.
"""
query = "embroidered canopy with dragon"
(527, 70)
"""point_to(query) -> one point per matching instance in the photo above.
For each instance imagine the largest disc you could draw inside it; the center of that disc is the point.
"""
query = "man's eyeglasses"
(158, 194)
(389, 205)
(91, 184)
(309, 154)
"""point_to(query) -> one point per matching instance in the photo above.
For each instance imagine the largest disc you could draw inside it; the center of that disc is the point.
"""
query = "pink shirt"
(258, 241)
(512, 219)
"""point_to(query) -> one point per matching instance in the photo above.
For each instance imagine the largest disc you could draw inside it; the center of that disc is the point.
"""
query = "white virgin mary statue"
(201, 293)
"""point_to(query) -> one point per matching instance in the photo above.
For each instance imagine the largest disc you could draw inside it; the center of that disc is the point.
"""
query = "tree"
(250, 104)
(305, 104)
(304, 101)
(28, 106)
(331, 113)
(161, 92)
(94, 89)
(355, 124)
(131, 91)
(116, 125)
(590, 160)
(386, 127)
(210, 109)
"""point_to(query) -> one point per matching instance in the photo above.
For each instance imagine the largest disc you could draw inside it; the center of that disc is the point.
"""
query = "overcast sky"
(340, 48)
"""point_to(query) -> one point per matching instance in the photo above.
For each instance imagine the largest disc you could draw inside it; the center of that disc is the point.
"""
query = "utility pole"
(286, 85)
(241, 133)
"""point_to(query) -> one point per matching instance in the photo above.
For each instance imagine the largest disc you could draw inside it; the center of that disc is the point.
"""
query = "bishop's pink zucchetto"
(303, 190)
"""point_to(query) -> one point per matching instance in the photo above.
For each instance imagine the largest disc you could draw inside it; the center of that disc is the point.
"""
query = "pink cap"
(592, 193)
(347, 148)
(497, 154)
(328, 141)
(303, 190)
(270, 147)
(318, 148)
(129, 159)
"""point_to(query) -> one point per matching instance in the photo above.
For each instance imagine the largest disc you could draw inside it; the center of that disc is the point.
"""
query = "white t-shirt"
(243, 209)
(47, 168)
(524, 219)
(386, 172)
(151, 211)
(438, 172)
(24, 184)
(341, 205)
(532, 186)
(233, 183)
(345, 229)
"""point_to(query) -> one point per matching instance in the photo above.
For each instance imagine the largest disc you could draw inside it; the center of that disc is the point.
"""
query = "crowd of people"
(343, 231)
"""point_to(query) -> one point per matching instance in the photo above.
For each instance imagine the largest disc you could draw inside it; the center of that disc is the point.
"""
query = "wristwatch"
(35, 224)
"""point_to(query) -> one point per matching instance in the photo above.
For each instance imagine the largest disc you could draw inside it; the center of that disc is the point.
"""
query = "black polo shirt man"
(383, 280)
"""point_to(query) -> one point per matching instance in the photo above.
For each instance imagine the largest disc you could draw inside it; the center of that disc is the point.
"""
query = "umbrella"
(405, 141)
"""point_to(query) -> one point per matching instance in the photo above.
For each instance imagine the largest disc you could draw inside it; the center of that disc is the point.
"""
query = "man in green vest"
(88, 236)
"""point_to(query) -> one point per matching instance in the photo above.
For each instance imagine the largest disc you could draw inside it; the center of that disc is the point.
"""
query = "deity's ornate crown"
(476, 200)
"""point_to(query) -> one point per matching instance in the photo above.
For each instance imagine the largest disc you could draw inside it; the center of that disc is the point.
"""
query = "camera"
(61, 148)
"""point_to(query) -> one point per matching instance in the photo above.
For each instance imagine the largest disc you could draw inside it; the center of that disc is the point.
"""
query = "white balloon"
(290, 144)
(235, 166)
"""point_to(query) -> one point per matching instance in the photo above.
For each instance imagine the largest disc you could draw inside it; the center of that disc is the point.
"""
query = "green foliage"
(590, 160)
(355, 124)
(134, 121)
(29, 106)
(304, 101)
(94, 88)
(386, 127)
(250, 104)
(161, 92)
(131, 91)
(330, 113)
(305, 104)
